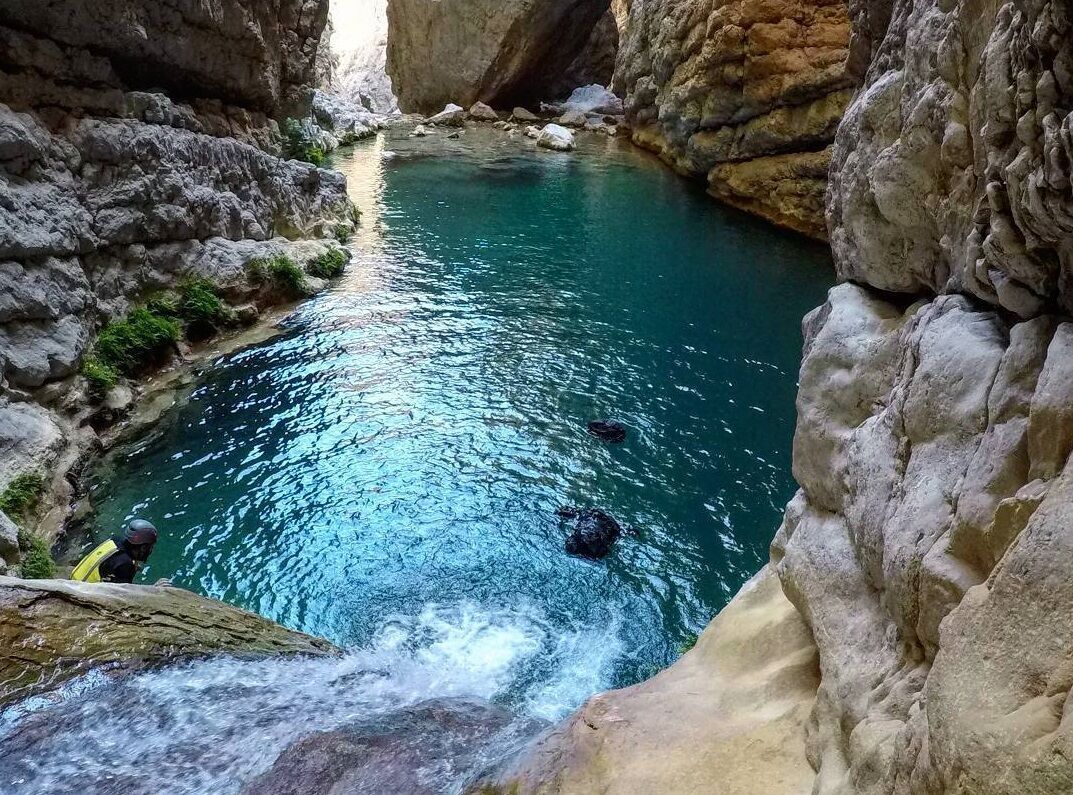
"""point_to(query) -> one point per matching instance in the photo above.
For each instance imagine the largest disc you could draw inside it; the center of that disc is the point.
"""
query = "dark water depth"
(386, 473)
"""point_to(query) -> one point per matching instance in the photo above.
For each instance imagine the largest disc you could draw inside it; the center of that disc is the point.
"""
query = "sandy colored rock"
(53, 630)
(495, 51)
(729, 714)
(711, 85)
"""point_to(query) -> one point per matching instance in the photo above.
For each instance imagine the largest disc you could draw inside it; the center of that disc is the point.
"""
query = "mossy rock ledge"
(54, 630)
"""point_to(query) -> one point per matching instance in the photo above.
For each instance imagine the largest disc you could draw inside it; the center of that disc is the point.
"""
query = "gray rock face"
(109, 190)
(929, 547)
(746, 95)
(953, 173)
(254, 55)
(495, 51)
(920, 549)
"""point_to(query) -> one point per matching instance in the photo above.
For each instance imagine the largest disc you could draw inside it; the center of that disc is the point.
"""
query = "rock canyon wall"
(745, 94)
(929, 548)
(138, 146)
(497, 52)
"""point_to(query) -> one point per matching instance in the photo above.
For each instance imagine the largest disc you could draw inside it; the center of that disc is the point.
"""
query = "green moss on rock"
(328, 265)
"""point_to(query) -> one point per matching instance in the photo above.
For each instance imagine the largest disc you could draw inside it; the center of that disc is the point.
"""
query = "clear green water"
(392, 464)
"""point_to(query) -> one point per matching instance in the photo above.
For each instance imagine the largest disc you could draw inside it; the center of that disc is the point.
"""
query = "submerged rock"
(419, 750)
(556, 137)
(608, 430)
(55, 630)
(420, 131)
(594, 533)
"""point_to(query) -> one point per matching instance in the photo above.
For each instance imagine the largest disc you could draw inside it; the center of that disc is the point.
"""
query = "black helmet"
(139, 533)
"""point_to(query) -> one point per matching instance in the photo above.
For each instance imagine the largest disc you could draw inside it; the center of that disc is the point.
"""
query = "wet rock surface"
(728, 717)
(55, 630)
(608, 430)
(419, 750)
(594, 532)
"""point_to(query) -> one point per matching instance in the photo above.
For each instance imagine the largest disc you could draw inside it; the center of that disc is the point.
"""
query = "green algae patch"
(280, 272)
(328, 265)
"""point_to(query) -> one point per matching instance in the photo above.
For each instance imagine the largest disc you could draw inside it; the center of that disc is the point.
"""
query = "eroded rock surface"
(743, 93)
(417, 750)
(929, 546)
(728, 717)
(52, 630)
(495, 51)
(138, 145)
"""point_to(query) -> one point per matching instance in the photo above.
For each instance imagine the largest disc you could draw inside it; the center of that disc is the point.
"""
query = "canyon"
(911, 631)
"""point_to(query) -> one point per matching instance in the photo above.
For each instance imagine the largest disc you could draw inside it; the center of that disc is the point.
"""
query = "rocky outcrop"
(742, 93)
(500, 53)
(53, 630)
(419, 750)
(138, 146)
(256, 56)
(929, 548)
(728, 717)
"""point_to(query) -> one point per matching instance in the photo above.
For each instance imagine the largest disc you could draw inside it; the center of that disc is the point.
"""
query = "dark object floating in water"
(594, 532)
(608, 430)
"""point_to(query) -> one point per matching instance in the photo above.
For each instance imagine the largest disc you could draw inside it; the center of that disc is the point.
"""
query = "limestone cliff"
(743, 93)
(137, 147)
(495, 51)
(929, 548)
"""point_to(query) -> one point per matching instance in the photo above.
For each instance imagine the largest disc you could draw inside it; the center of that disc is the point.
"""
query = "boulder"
(532, 131)
(573, 118)
(556, 138)
(593, 99)
(522, 115)
(482, 112)
(451, 116)
(497, 51)
(420, 131)
(593, 534)
(54, 630)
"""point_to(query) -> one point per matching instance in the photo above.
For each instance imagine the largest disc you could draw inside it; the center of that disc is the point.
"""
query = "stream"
(386, 472)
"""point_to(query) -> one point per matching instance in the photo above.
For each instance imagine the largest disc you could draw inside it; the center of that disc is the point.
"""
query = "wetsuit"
(119, 566)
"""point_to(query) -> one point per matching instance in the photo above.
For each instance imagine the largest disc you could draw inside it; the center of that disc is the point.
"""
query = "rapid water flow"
(386, 472)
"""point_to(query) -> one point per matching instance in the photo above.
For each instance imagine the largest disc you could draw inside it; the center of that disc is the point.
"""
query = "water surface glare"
(393, 462)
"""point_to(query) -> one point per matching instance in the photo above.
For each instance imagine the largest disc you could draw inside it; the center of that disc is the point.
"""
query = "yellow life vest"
(89, 570)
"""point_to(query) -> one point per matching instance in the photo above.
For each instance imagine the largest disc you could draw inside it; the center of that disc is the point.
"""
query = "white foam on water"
(210, 726)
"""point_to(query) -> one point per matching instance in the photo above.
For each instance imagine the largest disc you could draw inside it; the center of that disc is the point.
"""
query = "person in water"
(120, 557)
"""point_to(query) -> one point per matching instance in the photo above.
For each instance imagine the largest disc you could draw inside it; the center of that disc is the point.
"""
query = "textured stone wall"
(137, 145)
(930, 546)
(744, 93)
(501, 52)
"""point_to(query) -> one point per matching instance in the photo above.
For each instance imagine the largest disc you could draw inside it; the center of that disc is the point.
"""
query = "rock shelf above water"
(54, 630)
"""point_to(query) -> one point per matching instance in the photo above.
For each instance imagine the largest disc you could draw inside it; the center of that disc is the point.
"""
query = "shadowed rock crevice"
(500, 53)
